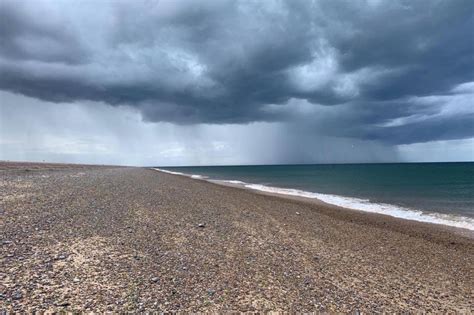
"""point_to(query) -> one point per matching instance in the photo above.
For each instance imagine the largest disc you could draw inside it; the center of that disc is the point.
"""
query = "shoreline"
(118, 239)
(380, 216)
(437, 219)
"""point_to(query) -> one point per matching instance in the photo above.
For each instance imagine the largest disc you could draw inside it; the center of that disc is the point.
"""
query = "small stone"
(297, 213)
(63, 304)
(307, 281)
(154, 279)
(6, 242)
(17, 295)
(201, 225)
(185, 268)
(61, 257)
(211, 292)
(75, 280)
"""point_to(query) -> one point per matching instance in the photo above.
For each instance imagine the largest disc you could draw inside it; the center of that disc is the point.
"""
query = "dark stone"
(17, 296)
(63, 304)
(307, 281)
(211, 292)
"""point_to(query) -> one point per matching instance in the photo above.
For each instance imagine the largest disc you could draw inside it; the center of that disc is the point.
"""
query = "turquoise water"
(444, 188)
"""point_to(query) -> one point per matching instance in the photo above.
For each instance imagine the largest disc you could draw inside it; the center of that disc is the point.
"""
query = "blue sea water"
(432, 192)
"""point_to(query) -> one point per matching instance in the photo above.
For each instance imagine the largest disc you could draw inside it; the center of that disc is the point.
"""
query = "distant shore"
(104, 238)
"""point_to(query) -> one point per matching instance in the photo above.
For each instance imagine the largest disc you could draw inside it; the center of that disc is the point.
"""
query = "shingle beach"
(100, 238)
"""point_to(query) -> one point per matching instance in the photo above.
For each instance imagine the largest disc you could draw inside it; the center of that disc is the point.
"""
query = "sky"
(175, 82)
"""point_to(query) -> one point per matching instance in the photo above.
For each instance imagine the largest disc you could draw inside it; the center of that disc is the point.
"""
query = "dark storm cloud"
(441, 129)
(221, 62)
(23, 37)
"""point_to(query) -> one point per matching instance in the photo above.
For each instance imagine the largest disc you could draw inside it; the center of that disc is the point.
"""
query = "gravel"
(129, 236)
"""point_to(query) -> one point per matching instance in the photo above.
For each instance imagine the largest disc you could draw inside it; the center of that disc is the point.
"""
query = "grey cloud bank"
(368, 74)
(96, 133)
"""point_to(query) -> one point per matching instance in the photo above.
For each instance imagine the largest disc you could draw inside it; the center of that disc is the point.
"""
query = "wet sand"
(134, 239)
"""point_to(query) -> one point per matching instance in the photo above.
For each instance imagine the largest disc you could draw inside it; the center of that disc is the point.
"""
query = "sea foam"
(182, 174)
(198, 176)
(169, 172)
(234, 182)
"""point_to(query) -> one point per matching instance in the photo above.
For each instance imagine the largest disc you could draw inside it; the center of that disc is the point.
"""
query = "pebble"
(75, 280)
(154, 279)
(17, 295)
(211, 292)
(63, 304)
(201, 225)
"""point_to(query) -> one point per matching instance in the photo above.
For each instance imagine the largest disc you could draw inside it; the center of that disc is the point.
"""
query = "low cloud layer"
(392, 72)
(96, 133)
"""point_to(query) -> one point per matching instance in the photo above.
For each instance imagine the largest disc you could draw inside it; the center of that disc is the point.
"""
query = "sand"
(89, 238)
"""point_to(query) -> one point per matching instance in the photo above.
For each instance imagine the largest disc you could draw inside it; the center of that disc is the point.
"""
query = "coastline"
(442, 221)
(114, 239)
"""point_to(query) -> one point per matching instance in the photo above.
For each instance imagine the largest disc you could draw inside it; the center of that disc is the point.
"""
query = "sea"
(440, 193)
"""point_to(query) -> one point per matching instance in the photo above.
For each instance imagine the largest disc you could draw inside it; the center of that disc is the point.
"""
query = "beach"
(104, 238)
